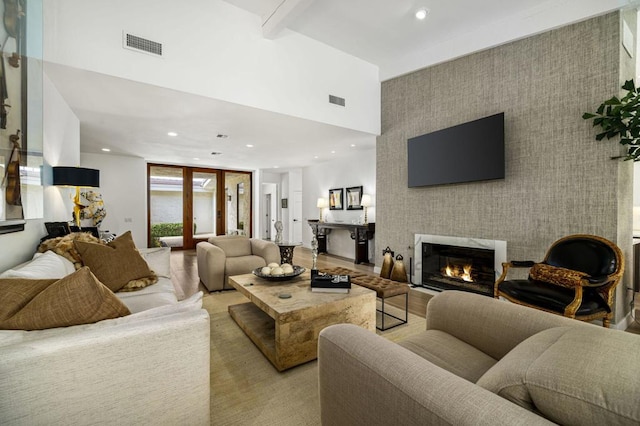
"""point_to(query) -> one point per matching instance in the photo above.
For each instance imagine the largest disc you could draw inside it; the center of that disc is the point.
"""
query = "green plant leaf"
(612, 101)
(628, 85)
(588, 115)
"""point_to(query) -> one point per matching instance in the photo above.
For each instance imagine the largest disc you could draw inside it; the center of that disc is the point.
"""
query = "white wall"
(224, 57)
(357, 169)
(123, 185)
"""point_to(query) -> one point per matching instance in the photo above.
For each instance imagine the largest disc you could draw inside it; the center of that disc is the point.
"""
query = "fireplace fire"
(453, 263)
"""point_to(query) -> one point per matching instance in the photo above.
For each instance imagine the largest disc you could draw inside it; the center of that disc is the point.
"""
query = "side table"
(286, 251)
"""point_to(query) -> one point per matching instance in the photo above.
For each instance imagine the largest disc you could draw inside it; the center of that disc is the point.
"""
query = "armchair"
(577, 279)
(227, 255)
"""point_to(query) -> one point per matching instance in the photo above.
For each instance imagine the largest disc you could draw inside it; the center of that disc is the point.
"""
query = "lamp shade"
(76, 176)
(366, 200)
(322, 203)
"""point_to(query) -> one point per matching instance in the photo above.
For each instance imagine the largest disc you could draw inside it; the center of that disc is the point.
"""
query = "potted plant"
(620, 117)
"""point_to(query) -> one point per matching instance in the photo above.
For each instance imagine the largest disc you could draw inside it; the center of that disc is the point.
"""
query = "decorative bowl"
(297, 270)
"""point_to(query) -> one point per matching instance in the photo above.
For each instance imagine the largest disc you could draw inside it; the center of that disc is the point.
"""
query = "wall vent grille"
(336, 100)
(138, 43)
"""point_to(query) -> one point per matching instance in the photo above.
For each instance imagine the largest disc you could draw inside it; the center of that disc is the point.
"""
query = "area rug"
(247, 390)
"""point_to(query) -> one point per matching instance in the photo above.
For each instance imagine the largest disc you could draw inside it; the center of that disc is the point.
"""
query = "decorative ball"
(287, 269)
(266, 270)
(273, 265)
(277, 271)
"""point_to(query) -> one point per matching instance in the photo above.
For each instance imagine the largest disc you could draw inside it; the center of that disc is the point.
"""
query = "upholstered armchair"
(577, 279)
(227, 255)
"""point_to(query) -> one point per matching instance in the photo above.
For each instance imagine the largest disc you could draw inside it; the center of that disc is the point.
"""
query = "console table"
(361, 234)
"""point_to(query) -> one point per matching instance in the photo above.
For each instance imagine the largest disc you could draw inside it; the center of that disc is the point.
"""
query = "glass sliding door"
(166, 212)
(188, 205)
(237, 187)
(204, 205)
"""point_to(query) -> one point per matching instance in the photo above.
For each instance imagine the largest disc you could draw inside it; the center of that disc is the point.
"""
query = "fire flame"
(463, 273)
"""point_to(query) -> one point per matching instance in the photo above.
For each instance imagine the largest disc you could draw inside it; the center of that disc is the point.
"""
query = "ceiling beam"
(282, 15)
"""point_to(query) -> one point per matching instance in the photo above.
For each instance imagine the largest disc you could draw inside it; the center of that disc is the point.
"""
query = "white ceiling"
(129, 115)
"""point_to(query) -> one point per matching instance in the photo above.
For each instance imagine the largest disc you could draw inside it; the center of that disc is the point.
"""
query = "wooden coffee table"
(286, 330)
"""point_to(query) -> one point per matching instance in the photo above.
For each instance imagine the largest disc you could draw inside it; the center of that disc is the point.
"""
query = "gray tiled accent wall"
(559, 179)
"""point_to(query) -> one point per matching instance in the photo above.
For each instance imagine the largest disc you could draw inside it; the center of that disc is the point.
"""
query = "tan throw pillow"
(557, 275)
(117, 263)
(78, 298)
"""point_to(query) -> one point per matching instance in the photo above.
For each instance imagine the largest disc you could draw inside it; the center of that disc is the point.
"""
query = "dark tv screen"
(467, 152)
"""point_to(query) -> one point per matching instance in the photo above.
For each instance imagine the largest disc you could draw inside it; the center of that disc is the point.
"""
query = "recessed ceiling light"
(249, 145)
(353, 145)
(275, 167)
(422, 13)
(333, 152)
(196, 158)
(106, 149)
(172, 134)
(315, 156)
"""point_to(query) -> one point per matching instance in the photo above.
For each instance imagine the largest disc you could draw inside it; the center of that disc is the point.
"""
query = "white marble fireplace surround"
(499, 247)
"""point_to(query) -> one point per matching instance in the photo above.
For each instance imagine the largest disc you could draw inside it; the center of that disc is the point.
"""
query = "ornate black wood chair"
(577, 279)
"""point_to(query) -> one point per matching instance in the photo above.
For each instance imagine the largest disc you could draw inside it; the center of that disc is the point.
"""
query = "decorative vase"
(399, 273)
(387, 263)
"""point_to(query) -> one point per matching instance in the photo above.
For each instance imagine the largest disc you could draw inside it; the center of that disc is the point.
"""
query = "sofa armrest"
(211, 264)
(132, 373)
(491, 325)
(367, 379)
(267, 250)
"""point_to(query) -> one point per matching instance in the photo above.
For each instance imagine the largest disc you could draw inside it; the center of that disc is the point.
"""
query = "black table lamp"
(77, 177)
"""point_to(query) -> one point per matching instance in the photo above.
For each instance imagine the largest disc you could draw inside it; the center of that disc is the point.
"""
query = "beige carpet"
(247, 390)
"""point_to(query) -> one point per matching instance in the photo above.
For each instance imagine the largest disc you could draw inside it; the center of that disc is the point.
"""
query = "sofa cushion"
(44, 265)
(117, 263)
(232, 245)
(449, 353)
(160, 294)
(243, 264)
(158, 259)
(573, 375)
(78, 298)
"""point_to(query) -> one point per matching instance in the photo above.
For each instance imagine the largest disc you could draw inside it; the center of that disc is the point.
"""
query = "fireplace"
(455, 263)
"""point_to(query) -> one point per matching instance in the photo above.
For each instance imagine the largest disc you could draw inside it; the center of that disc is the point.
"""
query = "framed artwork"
(354, 195)
(335, 199)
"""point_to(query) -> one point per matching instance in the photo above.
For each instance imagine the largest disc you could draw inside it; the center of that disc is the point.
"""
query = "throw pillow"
(78, 298)
(557, 275)
(64, 246)
(44, 265)
(117, 263)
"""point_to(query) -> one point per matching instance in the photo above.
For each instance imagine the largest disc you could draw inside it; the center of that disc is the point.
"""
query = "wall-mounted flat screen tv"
(468, 152)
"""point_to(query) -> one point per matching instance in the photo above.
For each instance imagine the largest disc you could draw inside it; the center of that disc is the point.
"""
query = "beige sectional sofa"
(150, 367)
(481, 361)
(226, 255)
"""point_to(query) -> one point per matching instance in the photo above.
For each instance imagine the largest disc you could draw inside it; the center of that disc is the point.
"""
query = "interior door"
(296, 229)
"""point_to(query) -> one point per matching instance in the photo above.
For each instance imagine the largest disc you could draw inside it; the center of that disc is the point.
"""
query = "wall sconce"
(366, 202)
(322, 203)
(76, 177)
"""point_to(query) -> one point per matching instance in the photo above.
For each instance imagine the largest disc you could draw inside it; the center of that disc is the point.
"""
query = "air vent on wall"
(336, 100)
(133, 42)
